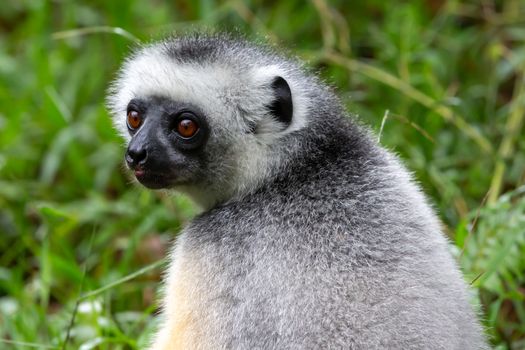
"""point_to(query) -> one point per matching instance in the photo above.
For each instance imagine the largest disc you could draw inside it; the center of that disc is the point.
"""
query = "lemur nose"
(136, 156)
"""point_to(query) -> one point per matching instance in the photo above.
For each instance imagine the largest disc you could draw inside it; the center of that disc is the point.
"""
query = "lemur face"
(181, 120)
(167, 141)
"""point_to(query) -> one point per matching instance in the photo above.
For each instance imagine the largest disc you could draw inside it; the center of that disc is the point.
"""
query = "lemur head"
(207, 114)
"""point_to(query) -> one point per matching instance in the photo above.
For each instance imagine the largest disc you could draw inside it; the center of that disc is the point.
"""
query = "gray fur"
(326, 244)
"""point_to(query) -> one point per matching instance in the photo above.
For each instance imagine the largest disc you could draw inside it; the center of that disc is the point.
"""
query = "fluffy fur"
(313, 236)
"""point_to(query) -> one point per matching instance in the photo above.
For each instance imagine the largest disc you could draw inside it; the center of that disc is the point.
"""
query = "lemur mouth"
(151, 179)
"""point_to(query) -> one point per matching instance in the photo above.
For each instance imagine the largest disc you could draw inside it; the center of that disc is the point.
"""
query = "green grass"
(81, 248)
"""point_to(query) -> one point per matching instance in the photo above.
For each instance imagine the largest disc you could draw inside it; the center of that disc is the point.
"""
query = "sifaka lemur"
(312, 235)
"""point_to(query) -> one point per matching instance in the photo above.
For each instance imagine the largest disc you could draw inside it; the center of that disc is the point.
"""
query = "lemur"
(312, 235)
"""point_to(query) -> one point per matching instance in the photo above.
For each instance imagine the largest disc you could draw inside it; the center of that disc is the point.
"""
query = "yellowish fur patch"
(185, 321)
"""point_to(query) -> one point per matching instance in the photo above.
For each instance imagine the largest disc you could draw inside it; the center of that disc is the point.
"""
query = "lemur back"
(313, 236)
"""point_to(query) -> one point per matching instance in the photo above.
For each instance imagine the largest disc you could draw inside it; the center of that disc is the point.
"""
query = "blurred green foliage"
(443, 82)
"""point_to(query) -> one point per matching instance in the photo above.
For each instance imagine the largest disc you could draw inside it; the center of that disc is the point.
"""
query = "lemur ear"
(282, 107)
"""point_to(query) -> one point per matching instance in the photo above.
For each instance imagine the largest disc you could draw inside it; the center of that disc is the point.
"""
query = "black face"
(167, 142)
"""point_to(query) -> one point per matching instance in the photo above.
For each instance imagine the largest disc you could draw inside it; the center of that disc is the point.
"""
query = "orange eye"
(134, 120)
(187, 128)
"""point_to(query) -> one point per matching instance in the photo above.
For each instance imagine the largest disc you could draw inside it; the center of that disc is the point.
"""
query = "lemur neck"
(308, 156)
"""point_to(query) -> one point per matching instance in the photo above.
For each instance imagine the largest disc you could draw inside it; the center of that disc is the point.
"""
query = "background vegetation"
(442, 83)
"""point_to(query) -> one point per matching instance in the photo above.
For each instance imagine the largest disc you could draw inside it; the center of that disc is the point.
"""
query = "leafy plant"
(81, 247)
